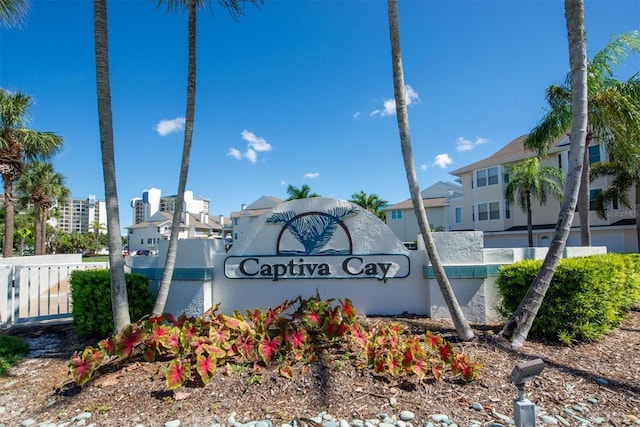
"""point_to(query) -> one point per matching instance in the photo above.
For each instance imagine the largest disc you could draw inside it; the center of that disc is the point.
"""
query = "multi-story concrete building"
(79, 214)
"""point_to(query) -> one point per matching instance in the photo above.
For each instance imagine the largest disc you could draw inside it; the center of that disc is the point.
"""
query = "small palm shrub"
(91, 295)
(588, 296)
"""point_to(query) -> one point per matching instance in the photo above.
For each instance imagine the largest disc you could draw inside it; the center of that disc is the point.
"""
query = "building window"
(486, 177)
(235, 236)
(487, 211)
(493, 176)
(594, 154)
(458, 215)
(396, 214)
(142, 241)
(507, 209)
(235, 221)
(481, 178)
(560, 161)
(593, 195)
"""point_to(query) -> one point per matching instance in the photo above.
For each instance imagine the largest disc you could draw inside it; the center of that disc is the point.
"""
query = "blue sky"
(296, 91)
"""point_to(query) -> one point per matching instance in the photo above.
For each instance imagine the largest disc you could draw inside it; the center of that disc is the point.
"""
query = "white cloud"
(390, 104)
(165, 127)
(312, 174)
(235, 153)
(255, 142)
(464, 144)
(443, 160)
(356, 116)
(424, 166)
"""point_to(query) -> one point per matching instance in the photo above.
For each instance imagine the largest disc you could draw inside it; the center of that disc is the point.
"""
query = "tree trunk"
(172, 251)
(119, 300)
(529, 220)
(37, 227)
(9, 206)
(43, 239)
(637, 202)
(583, 199)
(462, 326)
(518, 326)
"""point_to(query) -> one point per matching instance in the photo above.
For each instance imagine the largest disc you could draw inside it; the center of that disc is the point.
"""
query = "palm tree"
(97, 227)
(517, 327)
(40, 184)
(119, 299)
(370, 202)
(611, 113)
(17, 146)
(13, 12)
(303, 192)
(235, 8)
(529, 179)
(462, 326)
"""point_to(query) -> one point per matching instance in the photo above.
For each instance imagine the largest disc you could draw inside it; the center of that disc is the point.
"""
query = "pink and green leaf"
(177, 373)
(268, 348)
(206, 367)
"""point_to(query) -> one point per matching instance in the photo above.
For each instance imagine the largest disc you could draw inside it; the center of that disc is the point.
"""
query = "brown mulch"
(602, 378)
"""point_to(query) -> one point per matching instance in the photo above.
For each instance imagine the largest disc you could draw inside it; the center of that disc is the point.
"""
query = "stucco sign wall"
(318, 238)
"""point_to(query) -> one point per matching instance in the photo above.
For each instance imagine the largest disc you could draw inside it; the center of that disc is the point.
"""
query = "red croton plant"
(293, 332)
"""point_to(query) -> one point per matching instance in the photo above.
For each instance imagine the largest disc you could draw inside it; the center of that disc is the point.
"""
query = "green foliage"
(12, 350)
(587, 297)
(91, 294)
(194, 347)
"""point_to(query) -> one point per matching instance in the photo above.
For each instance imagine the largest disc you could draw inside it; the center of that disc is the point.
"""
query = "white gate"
(36, 293)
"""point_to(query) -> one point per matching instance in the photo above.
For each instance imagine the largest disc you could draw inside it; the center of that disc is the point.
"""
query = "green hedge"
(91, 296)
(588, 296)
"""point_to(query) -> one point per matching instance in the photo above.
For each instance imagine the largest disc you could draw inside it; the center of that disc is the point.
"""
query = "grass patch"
(96, 258)
(12, 350)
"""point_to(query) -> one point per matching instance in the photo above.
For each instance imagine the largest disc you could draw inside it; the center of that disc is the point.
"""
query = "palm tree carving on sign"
(313, 230)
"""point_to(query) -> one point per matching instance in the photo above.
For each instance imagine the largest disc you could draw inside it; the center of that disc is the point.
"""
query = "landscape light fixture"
(523, 408)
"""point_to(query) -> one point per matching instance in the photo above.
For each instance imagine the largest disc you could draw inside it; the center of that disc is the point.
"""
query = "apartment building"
(243, 219)
(438, 200)
(78, 214)
(483, 206)
(152, 201)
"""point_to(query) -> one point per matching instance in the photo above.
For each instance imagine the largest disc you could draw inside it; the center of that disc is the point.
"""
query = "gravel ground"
(598, 383)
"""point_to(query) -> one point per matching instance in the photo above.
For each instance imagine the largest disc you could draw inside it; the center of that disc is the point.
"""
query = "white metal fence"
(36, 293)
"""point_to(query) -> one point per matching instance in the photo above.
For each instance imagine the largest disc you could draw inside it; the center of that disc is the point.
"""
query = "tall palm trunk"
(172, 251)
(529, 220)
(462, 326)
(37, 227)
(583, 197)
(637, 204)
(10, 209)
(119, 300)
(518, 326)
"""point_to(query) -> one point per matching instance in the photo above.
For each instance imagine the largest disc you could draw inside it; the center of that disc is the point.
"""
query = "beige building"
(483, 206)
(243, 219)
(439, 201)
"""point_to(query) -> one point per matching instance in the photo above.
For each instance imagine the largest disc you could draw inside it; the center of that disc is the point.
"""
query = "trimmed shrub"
(91, 295)
(588, 296)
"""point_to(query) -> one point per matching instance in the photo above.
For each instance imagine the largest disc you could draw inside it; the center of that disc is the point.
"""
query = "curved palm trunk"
(43, 238)
(529, 220)
(518, 326)
(462, 326)
(119, 300)
(172, 251)
(583, 197)
(9, 206)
